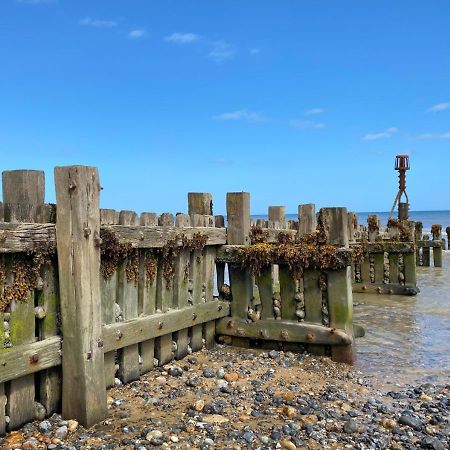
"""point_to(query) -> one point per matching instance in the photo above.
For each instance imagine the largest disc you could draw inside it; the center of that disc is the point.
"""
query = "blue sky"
(293, 101)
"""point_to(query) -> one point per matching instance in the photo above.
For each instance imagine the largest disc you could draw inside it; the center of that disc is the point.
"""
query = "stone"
(61, 432)
(410, 421)
(154, 434)
(289, 411)
(287, 444)
(351, 426)
(388, 423)
(231, 376)
(199, 405)
(45, 426)
(432, 442)
(72, 425)
(39, 411)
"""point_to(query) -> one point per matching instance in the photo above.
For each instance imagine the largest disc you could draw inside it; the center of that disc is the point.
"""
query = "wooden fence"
(128, 292)
(428, 249)
(388, 264)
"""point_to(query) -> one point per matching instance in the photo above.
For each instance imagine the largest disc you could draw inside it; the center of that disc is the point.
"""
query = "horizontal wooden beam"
(229, 254)
(434, 244)
(156, 237)
(123, 334)
(25, 359)
(272, 234)
(385, 247)
(23, 237)
(282, 330)
(386, 289)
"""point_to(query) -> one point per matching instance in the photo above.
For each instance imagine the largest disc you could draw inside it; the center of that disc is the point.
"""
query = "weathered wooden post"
(238, 233)
(306, 218)
(277, 217)
(352, 226)
(340, 300)
(78, 241)
(426, 253)
(23, 194)
(436, 231)
(409, 259)
(447, 230)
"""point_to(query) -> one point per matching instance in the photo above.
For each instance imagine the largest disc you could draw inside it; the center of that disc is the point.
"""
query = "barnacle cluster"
(418, 230)
(372, 223)
(436, 231)
(25, 275)
(404, 229)
(258, 235)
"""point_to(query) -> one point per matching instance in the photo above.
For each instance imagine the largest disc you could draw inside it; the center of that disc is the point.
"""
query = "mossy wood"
(283, 330)
(121, 334)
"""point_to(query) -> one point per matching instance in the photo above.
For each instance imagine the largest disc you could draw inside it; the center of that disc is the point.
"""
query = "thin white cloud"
(306, 124)
(97, 23)
(243, 114)
(431, 136)
(438, 107)
(255, 51)
(137, 34)
(381, 135)
(182, 38)
(221, 52)
(314, 111)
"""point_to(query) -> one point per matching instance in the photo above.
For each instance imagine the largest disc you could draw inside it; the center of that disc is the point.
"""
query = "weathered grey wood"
(78, 226)
(313, 304)
(129, 369)
(181, 289)
(426, 253)
(24, 237)
(339, 286)
(352, 224)
(288, 290)
(24, 360)
(393, 268)
(108, 289)
(121, 334)
(164, 301)
(209, 256)
(200, 203)
(409, 262)
(196, 275)
(306, 218)
(220, 267)
(277, 214)
(265, 287)
(284, 330)
(365, 270)
(2, 343)
(23, 193)
(386, 247)
(147, 296)
(385, 288)
(379, 267)
(437, 256)
(23, 186)
(157, 237)
(50, 380)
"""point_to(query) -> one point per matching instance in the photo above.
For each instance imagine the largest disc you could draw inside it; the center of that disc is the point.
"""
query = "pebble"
(410, 421)
(289, 445)
(61, 432)
(45, 426)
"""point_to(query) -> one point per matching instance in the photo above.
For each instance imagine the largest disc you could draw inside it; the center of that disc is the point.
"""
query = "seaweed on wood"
(25, 275)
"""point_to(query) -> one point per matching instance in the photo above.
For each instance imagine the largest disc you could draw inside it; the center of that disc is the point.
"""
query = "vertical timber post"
(78, 238)
(436, 231)
(306, 218)
(340, 300)
(23, 194)
(238, 233)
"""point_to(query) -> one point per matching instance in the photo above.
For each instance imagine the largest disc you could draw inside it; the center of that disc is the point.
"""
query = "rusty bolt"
(310, 337)
(364, 287)
(72, 186)
(100, 343)
(118, 335)
(160, 325)
(89, 355)
(141, 235)
(87, 232)
(230, 324)
(219, 308)
(284, 334)
(240, 332)
(263, 333)
(194, 316)
(34, 358)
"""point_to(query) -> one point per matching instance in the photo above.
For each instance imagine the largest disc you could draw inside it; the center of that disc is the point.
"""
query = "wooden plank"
(164, 300)
(339, 287)
(24, 237)
(196, 275)
(385, 247)
(393, 268)
(108, 289)
(24, 360)
(2, 344)
(23, 193)
(437, 256)
(122, 334)
(288, 331)
(365, 270)
(129, 369)
(288, 289)
(181, 289)
(77, 233)
(50, 380)
(429, 243)
(209, 257)
(265, 287)
(379, 267)
(220, 267)
(147, 292)
(313, 304)
(306, 218)
(157, 237)
(385, 289)
(409, 262)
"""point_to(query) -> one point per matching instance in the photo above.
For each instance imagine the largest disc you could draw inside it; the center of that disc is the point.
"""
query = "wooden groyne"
(90, 295)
